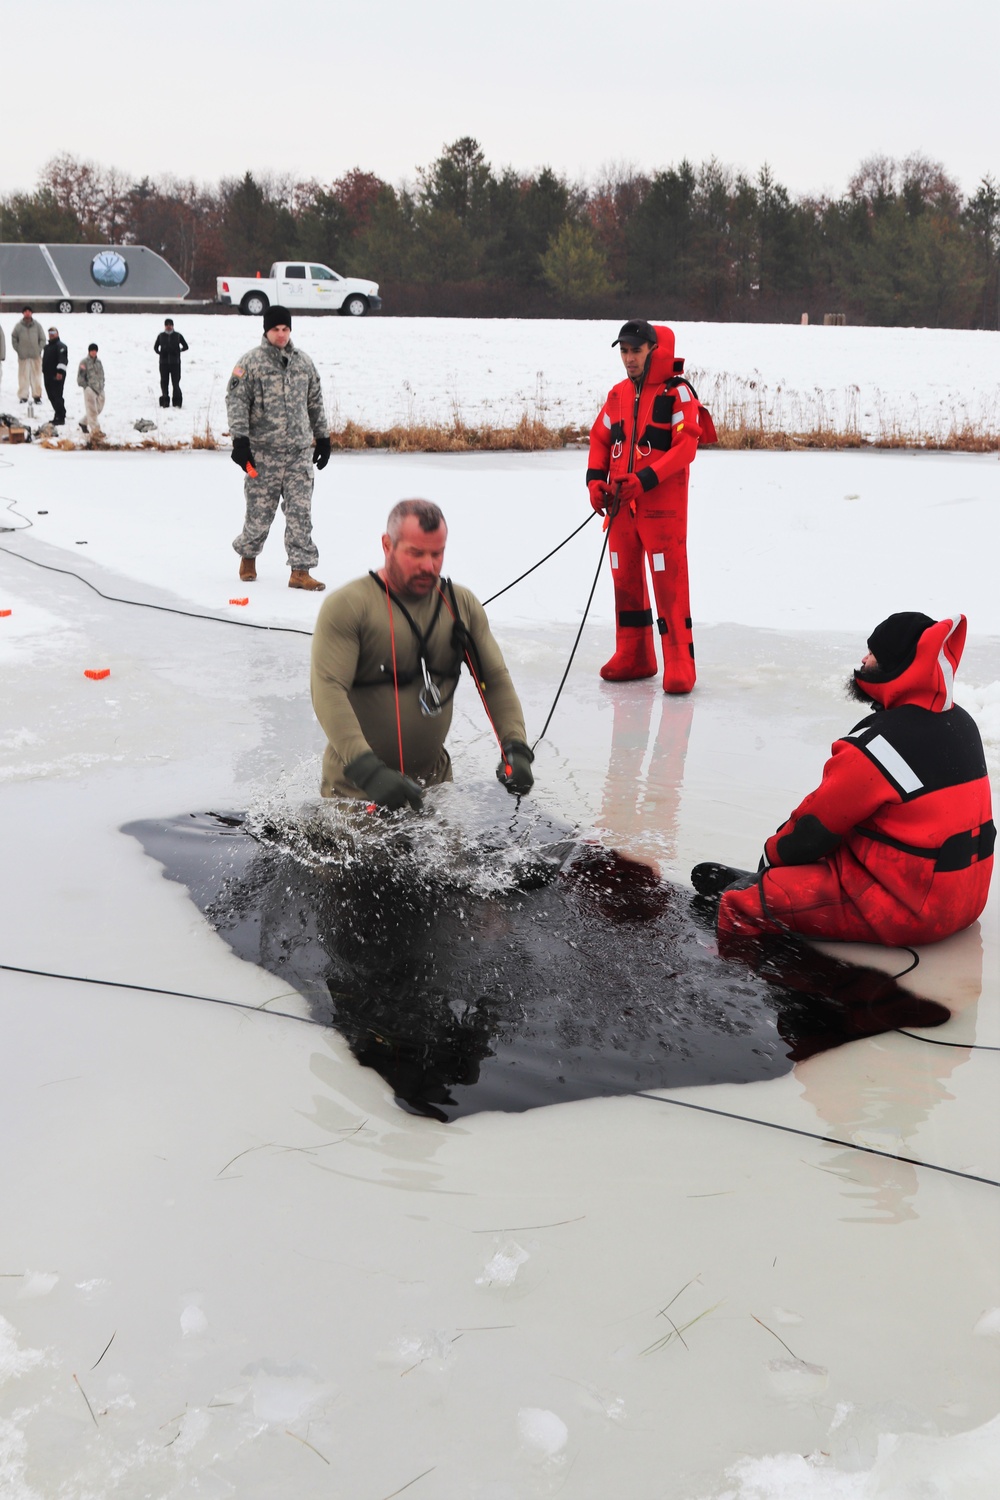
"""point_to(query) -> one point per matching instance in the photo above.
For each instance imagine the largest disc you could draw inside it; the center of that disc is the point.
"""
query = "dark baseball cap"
(636, 332)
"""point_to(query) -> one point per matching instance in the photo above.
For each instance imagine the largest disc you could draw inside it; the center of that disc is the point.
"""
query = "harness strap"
(956, 853)
(471, 654)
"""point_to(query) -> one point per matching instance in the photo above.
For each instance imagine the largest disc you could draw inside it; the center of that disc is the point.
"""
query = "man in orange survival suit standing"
(641, 448)
(895, 845)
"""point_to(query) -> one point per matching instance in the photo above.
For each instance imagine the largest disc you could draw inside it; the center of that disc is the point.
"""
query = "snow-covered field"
(231, 1266)
(380, 371)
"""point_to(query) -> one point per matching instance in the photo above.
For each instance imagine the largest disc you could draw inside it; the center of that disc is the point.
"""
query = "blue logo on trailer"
(109, 269)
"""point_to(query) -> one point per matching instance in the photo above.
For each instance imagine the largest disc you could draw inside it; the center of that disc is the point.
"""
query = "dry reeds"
(748, 414)
(529, 435)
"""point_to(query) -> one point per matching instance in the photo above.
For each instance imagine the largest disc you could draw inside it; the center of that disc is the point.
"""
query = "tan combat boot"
(248, 569)
(302, 579)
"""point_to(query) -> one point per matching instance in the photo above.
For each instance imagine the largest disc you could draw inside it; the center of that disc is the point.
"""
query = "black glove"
(383, 785)
(241, 454)
(514, 771)
(321, 452)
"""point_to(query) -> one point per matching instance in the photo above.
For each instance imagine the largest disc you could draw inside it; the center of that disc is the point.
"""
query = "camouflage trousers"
(288, 478)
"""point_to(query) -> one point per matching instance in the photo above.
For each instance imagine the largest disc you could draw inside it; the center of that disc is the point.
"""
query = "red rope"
(395, 682)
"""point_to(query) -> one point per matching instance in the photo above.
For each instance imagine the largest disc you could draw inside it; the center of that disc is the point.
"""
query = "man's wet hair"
(429, 516)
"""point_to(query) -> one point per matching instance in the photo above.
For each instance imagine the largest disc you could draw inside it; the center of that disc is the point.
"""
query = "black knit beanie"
(894, 643)
(276, 315)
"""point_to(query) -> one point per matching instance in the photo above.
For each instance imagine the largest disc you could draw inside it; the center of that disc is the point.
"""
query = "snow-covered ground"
(381, 371)
(231, 1266)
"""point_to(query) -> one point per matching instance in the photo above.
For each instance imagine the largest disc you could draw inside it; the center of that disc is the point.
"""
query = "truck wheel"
(355, 306)
(95, 307)
(65, 307)
(254, 304)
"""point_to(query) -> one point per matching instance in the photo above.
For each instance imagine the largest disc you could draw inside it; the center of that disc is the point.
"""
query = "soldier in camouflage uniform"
(275, 408)
(90, 379)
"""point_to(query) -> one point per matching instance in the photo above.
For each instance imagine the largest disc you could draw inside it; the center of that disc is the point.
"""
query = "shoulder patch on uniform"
(238, 371)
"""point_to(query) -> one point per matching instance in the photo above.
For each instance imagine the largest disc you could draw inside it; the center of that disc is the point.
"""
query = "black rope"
(190, 614)
(166, 609)
(812, 1135)
(579, 633)
(261, 1010)
(936, 1041)
(148, 989)
(541, 560)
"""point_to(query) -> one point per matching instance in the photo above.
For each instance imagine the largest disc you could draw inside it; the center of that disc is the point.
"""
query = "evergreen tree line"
(901, 246)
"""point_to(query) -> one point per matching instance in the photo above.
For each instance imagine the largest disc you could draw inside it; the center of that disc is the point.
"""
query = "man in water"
(387, 653)
(895, 845)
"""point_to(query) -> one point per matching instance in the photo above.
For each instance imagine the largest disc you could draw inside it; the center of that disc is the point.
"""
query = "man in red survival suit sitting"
(641, 447)
(895, 845)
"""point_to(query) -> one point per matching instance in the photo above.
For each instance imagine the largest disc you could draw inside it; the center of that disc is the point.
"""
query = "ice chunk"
(541, 1432)
(503, 1265)
(193, 1321)
(989, 1324)
(14, 1361)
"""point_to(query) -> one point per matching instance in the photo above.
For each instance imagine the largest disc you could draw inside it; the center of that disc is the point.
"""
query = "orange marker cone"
(4, 613)
(95, 675)
(240, 601)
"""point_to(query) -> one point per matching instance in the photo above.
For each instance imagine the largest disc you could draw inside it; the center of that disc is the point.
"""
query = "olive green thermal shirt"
(352, 681)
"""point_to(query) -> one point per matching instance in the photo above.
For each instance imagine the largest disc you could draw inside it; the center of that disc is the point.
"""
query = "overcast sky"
(202, 89)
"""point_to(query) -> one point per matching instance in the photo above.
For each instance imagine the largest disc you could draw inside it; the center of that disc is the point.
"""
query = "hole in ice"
(477, 967)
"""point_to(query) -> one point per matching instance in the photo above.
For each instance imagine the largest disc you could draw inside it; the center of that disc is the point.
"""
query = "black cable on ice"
(166, 609)
(149, 989)
(812, 1135)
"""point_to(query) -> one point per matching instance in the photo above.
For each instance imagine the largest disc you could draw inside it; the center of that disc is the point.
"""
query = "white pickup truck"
(297, 284)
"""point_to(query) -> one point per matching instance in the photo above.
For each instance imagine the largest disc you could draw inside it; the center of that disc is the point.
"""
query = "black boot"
(164, 401)
(711, 879)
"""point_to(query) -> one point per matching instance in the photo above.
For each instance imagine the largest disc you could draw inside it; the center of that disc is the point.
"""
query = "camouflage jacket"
(91, 373)
(28, 339)
(275, 399)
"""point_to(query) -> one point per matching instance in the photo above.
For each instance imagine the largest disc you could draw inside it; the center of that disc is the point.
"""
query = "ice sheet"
(289, 1267)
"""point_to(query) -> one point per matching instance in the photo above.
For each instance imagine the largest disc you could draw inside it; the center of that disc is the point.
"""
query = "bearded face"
(855, 684)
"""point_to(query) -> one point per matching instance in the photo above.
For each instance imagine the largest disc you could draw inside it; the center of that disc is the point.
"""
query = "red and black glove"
(241, 454)
(600, 494)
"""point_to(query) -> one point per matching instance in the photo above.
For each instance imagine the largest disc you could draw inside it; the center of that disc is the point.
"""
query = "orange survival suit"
(895, 845)
(651, 429)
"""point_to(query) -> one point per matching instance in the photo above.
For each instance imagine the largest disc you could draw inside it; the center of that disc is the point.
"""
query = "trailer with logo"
(87, 278)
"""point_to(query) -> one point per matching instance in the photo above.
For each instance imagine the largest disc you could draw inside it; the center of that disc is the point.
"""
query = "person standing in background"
(170, 345)
(90, 377)
(28, 341)
(642, 447)
(54, 358)
(280, 430)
